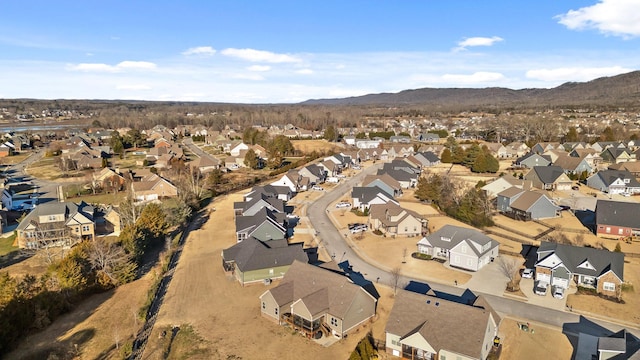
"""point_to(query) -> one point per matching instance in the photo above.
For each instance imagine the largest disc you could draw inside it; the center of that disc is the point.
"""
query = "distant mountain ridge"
(619, 90)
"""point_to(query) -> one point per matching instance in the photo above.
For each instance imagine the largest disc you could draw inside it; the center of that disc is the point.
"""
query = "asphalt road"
(48, 190)
(339, 248)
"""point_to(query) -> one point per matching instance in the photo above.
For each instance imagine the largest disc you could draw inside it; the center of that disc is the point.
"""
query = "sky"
(282, 51)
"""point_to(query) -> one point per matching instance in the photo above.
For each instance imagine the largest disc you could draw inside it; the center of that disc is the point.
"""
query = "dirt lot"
(225, 314)
(308, 146)
(543, 343)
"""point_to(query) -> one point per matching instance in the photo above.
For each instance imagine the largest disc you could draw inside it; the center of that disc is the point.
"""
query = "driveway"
(489, 280)
(548, 301)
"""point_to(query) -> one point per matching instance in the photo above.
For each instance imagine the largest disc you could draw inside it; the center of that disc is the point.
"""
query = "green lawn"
(6, 245)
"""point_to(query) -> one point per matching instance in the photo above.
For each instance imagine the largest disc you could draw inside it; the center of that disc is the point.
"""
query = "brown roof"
(304, 281)
(526, 200)
(443, 324)
(381, 211)
(385, 178)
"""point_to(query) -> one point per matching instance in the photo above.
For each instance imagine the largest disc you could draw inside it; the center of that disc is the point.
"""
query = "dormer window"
(445, 238)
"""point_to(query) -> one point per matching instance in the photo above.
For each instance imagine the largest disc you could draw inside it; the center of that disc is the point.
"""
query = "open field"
(47, 169)
(106, 199)
(307, 146)
(14, 159)
(225, 314)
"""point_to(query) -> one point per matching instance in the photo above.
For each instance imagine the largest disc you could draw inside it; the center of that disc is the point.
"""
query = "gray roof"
(618, 213)
(548, 174)
(525, 201)
(368, 193)
(572, 256)
(264, 214)
(70, 209)
(446, 325)
(456, 235)
(252, 254)
(609, 176)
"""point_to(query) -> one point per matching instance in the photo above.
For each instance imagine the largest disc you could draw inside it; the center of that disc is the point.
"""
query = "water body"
(37, 127)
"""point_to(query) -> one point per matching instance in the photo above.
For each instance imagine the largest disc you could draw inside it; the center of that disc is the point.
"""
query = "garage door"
(563, 283)
(543, 277)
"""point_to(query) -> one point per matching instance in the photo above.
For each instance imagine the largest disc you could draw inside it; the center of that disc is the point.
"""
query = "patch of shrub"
(421, 256)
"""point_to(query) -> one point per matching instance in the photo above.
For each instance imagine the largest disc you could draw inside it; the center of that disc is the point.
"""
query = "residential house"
(465, 248)
(559, 264)
(542, 147)
(316, 174)
(290, 179)
(258, 201)
(280, 192)
(526, 205)
(591, 156)
(616, 155)
(393, 220)
(532, 159)
(632, 167)
(363, 197)
(205, 164)
(252, 260)
(505, 182)
(235, 150)
(622, 345)
(265, 225)
(573, 165)
(497, 150)
(368, 144)
(614, 182)
(19, 196)
(406, 174)
(108, 179)
(314, 300)
(617, 219)
(427, 327)
(516, 149)
(108, 221)
(384, 182)
(549, 178)
(153, 188)
(56, 224)
(429, 137)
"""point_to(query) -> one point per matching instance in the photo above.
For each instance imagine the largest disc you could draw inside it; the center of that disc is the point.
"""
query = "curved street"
(338, 246)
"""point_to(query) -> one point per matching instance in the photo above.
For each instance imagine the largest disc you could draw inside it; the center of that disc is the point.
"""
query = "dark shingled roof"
(252, 254)
(618, 213)
(572, 256)
(548, 174)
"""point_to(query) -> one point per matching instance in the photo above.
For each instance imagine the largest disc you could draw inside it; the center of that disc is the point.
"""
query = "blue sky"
(291, 51)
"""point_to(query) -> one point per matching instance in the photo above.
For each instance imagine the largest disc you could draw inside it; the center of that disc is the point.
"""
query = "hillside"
(620, 90)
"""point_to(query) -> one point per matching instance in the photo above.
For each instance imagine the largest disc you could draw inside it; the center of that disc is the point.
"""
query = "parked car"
(575, 187)
(316, 187)
(356, 228)
(343, 204)
(356, 167)
(341, 176)
(527, 273)
(558, 292)
(541, 288)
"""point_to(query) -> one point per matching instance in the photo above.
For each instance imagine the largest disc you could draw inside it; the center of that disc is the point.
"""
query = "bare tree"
(395, 279)
(49, 240)
(107, 258)
(129, 210)
(509, 267)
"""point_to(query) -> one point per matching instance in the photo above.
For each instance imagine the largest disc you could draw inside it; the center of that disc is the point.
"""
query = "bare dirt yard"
(543, 343)
(320, 145)
(225, 315)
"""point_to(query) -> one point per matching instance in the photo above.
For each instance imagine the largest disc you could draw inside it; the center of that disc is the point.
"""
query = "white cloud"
(478, 41)
(613, 17)
(124, 65)
(254, 77)
(200, 50)
(575, 73)
(477, 77)
(304, 71)
(260, 56)
(259, 68)
(134, 87)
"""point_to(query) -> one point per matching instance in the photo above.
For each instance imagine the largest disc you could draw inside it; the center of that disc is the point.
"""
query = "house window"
(608, 230)
(52, 218)
(469, 262)
(85, 228)
(609, 286)
(464, 249)
(406, 229)
(456, 259)
(264, 305)
(276, 311)
(77, 229)
(620, 231)
(334, 321)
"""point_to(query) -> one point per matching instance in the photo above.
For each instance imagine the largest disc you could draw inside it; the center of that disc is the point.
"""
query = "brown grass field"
(307, 146)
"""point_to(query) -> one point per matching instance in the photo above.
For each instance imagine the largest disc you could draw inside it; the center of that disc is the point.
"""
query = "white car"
(527, 273)
(541, 288)
(343, 204)
(316, 187)
(558, 292)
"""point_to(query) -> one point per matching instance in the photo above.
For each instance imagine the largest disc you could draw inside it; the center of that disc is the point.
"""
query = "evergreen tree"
(446, 156)
(330, 133)
(251, 159)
